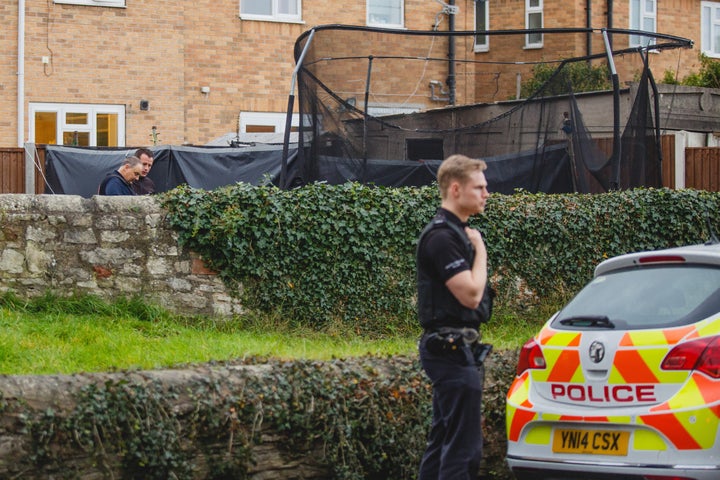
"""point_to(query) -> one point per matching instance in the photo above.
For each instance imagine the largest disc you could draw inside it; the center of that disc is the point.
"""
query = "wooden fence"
(12, 170)
(702, 167)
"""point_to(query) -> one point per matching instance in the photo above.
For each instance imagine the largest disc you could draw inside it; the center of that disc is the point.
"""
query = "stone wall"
(105, 246)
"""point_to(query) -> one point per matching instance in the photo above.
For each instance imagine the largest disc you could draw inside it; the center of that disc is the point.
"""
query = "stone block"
(86, 236)
(12, 261)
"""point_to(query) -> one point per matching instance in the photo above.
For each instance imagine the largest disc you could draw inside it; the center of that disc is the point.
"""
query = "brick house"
(117, 72)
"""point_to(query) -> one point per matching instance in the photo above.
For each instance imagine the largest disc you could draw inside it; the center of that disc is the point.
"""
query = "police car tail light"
(531, 356)
(661, 259)
(702, 355)
(665, 477)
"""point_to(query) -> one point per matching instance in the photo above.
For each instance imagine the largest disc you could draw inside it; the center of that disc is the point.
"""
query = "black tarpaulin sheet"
(388, 173)
(547, 171)
(544, 170)
(79, 170)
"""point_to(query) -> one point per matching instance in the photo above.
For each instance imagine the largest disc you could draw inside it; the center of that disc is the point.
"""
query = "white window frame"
(267, 119)
(710, 29)
(276, 15)
(60, 109)
(643, 12)
(531, 9)
(485, 6)
(95, 3)
(372, 18)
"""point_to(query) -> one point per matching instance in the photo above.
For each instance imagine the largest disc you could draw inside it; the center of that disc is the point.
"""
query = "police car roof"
(704, 254)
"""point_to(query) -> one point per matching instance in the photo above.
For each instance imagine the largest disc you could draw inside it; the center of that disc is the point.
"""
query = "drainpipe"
(451, 53)
(610, 18)
(21, 74)
(588, 24)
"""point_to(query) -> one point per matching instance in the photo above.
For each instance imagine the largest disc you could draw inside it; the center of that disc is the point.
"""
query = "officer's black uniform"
(454, 447)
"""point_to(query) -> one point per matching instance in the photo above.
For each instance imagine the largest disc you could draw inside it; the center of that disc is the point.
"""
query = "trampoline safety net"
(385, 107)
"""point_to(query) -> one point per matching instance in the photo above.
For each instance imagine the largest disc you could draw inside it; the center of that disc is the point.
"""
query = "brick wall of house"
(675, 17)
(8, 74)
(164, 51)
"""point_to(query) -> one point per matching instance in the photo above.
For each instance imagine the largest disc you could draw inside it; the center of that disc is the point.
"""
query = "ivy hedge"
(322, 253)
(352, 419)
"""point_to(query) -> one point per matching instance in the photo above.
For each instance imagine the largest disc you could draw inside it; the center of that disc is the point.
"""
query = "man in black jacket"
(119, 181)
(144, 185)
(452, 279)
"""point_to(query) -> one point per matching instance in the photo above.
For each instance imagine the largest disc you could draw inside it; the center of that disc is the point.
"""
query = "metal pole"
(365, 116)
(288, 118)
(617, 147)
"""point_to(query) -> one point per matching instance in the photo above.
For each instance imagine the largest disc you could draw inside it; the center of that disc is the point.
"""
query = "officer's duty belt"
(469, 335)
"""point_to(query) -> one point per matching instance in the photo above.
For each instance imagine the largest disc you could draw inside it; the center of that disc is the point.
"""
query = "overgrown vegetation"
(708, 76)
(573, 77)
(325, 254)
(361, 419)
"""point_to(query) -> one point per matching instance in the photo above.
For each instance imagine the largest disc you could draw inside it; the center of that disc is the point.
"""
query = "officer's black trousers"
(454, 448)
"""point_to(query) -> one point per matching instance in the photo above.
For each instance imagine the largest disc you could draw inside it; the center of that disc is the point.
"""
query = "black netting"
(364, 121)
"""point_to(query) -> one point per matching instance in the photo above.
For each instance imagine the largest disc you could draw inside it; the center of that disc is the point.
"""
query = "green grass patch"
(52, 335)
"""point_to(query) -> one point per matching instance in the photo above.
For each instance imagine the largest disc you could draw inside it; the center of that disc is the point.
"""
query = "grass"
(52, 335)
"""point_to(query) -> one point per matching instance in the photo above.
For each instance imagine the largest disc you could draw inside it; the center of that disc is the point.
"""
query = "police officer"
(452, 279)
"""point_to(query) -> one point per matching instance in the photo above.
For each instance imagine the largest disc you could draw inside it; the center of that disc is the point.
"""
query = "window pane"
(650, 297)
(287, 7)
(384, 12)
(107, 130)
(534, 38)
(257, 7)
(649, 6)
(534, 3)
(45, 127)
(716, 39)
(480, 24)
(635, 15)
(81, 139)
(76, 118)
(535, 20)
(480, 9)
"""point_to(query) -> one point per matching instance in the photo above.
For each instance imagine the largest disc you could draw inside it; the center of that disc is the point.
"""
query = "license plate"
(600, 442)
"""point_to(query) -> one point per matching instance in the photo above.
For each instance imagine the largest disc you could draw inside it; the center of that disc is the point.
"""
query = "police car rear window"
(642, 298)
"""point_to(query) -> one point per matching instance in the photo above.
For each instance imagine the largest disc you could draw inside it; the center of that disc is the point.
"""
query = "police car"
(624, 381)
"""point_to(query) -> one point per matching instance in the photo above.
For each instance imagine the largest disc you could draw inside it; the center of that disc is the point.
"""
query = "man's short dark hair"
(144, 151)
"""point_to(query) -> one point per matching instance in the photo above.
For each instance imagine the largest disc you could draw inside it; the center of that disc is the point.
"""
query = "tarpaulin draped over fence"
(79, 170)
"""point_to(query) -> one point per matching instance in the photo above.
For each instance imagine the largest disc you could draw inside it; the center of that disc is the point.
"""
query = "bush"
(353, 419)
(321, 253)
(573, 77)
(707, 77)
